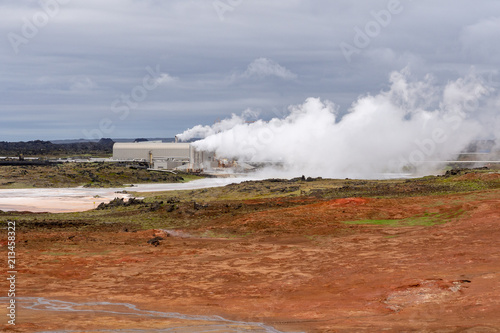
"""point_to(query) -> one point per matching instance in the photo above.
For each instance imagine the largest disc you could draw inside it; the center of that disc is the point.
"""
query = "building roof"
(150, 145)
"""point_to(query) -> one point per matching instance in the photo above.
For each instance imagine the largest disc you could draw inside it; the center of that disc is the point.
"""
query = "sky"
(89, 69)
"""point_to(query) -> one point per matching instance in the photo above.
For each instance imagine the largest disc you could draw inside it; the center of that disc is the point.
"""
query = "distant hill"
(152, 139)
(115, 140)
(481, 146)
(144, 139)
(39, 148)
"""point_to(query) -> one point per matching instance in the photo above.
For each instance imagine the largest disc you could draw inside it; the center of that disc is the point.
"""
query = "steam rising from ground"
(412, 124)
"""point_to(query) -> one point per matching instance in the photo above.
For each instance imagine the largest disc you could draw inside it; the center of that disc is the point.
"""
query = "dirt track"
(298, 269)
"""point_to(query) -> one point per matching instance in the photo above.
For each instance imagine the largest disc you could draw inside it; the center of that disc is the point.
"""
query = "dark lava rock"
(155, 241)
(155, 205)
(173, 200)
(198, 206)
(120, 202)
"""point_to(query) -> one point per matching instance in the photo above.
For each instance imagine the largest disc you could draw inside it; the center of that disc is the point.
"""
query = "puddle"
(58, 200)
(194, 324)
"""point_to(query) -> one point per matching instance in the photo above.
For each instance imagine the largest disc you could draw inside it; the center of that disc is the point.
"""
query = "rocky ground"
(317, 256)
(97, 174)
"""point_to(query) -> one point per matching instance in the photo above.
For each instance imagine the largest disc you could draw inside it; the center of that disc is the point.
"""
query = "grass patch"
(93, 254)
(60, 253)
(427, 220)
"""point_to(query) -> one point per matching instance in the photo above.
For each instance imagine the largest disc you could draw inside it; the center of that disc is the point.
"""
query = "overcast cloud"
(150, 68)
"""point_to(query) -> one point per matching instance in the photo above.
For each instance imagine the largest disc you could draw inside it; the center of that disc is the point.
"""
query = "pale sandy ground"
(57, 200)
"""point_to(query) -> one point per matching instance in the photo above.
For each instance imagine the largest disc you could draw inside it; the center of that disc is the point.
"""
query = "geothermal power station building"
(161, 155)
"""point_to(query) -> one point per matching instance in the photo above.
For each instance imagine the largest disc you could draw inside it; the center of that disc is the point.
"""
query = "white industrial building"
(162, 155)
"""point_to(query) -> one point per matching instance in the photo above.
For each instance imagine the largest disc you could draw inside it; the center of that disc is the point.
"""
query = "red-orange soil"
(297, 269)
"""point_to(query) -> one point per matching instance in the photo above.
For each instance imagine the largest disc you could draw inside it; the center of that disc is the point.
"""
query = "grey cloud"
(478, 39)
(93, 51)
(263, 67)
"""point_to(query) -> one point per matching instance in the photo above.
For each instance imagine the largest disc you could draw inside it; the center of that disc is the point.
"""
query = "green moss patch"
(428, 219)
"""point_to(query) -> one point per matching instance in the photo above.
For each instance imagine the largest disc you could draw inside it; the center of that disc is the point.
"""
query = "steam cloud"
(412, 124)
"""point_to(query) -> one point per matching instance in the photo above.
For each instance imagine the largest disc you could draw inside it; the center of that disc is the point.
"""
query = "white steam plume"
(412, 123)
(200, 131)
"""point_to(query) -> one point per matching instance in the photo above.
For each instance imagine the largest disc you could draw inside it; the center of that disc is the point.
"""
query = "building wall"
(165, 155)
(141, 150)
(168, 165)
